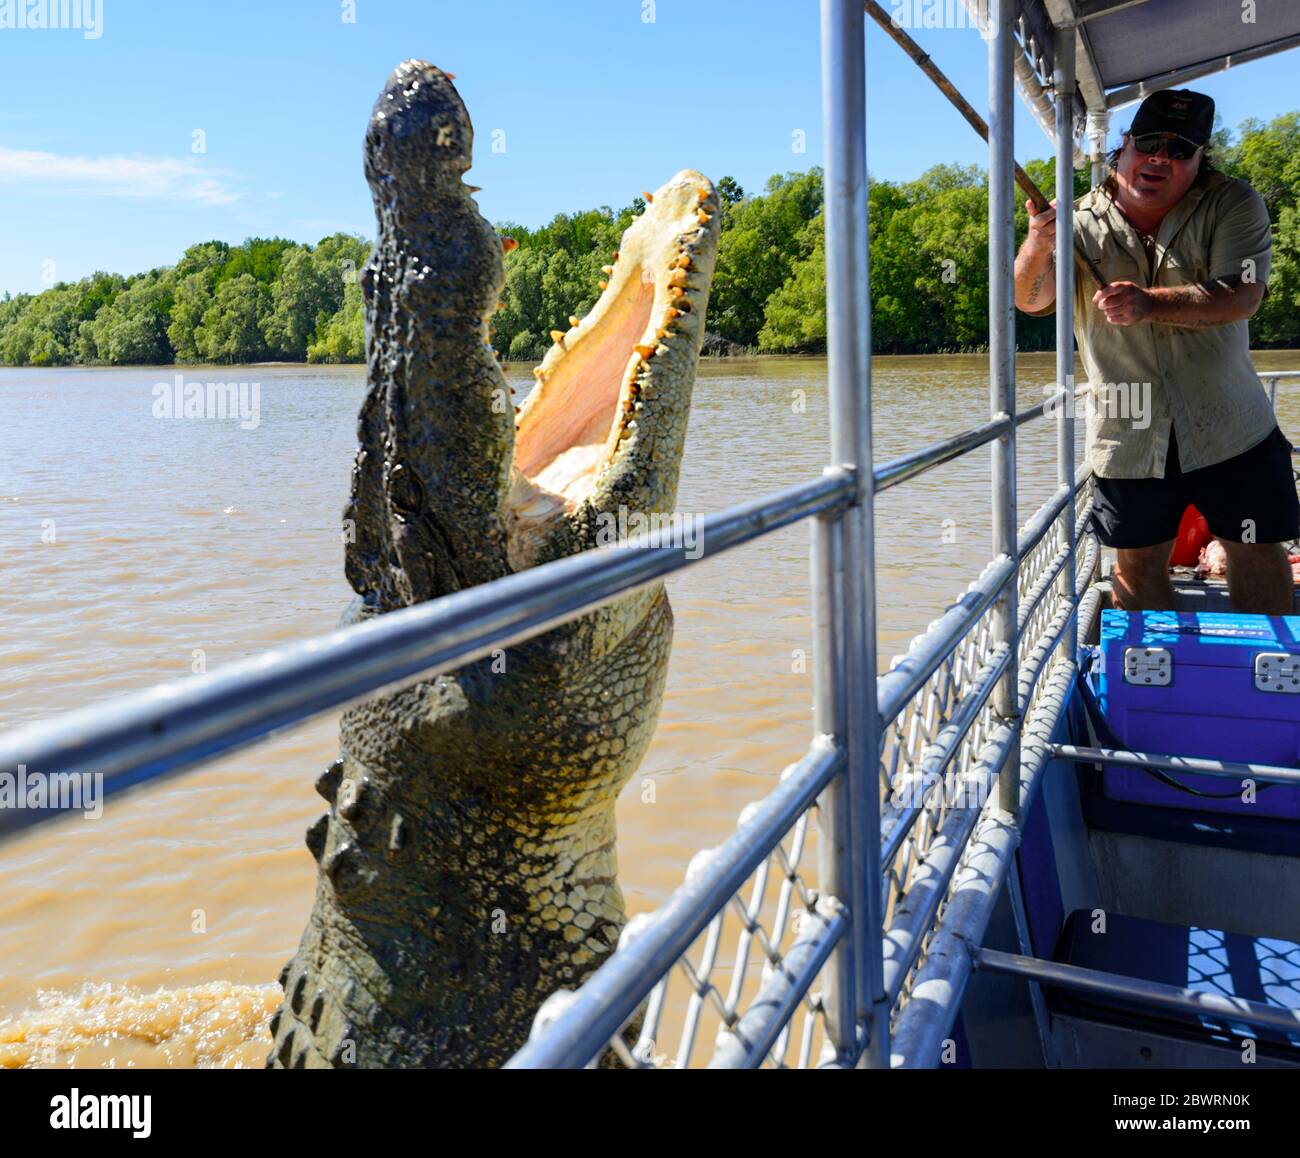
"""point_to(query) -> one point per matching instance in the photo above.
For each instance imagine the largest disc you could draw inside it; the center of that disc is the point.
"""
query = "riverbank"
(748, 354)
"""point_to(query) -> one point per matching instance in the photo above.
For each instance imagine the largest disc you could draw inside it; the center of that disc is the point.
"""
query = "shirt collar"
(1103, 204)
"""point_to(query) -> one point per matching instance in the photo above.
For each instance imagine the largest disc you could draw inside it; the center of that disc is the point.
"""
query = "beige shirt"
(1146, 379)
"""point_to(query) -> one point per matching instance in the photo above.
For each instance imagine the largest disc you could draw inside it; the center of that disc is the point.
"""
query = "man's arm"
(1190, 307)
(1036, 263)
(1239, 259)
(1210, 303)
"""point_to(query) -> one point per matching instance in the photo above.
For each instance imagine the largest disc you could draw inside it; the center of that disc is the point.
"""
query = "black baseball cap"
(1180, 111)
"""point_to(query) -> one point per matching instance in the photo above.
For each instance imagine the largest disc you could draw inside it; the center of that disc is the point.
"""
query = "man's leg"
(1140, 580)
(1250, 503)
(1259, 578)
(1139, 518)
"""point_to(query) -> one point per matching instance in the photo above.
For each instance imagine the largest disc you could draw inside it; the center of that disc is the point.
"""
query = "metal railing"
(1272, 377)
(955, 705)
(914, 779)
(183, 724)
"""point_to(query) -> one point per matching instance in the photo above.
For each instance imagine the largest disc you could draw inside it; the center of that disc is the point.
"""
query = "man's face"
(1152, 182)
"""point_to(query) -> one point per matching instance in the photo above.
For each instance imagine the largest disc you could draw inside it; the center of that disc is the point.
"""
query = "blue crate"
(1211, 684)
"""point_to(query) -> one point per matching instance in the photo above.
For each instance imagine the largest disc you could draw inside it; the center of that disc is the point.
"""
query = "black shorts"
(1248, 498)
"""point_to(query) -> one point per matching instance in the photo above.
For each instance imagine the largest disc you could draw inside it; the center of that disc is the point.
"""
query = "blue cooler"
(1213, 684)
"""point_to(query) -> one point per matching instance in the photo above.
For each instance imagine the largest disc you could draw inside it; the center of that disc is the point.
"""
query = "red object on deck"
(1193, 534)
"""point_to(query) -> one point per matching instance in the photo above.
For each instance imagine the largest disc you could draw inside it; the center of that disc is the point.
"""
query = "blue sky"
(98, 168)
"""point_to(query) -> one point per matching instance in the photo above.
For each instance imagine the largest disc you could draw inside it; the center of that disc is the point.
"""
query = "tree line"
(267, 299)
(276, 299)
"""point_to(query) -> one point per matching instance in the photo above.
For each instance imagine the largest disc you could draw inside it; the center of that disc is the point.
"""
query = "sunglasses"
(1180, 149)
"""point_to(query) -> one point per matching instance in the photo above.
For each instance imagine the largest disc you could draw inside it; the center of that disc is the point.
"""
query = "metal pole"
(963, 106)
(1139, 991)
(848, 344)
(1200, 766)
(1063, 81)
(1098, 127)
(1002, 357)
(837, 869)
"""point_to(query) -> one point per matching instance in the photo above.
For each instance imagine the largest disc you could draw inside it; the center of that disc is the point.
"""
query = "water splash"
(213, 1026)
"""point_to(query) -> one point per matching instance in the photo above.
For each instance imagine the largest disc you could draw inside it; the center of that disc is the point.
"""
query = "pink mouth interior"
(561, 440)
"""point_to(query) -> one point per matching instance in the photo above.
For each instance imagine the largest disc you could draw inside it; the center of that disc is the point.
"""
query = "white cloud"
(168, 178)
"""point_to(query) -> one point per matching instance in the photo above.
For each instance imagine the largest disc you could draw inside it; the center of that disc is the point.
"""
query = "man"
(1177, 414)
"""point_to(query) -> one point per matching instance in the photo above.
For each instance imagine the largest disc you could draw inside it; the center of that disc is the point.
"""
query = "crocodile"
(467, 865)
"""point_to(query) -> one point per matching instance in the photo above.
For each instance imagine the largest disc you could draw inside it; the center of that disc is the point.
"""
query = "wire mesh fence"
(749, 990)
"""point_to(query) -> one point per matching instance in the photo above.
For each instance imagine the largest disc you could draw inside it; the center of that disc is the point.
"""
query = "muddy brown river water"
(137, 548)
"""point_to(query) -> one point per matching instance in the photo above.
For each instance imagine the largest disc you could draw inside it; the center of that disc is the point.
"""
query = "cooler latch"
(1153, 666)
(1277, 671)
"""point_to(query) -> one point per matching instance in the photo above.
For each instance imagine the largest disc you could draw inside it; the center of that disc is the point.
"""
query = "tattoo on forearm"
(1036, 287)
(1218, 294)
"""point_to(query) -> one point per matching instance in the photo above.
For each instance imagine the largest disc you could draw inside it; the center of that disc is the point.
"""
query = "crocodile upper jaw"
(616, 385)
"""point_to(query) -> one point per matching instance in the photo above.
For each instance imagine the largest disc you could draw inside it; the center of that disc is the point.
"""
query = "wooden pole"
(963, 106)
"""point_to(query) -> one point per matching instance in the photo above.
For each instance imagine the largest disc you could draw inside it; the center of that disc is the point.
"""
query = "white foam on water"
(214, 1026)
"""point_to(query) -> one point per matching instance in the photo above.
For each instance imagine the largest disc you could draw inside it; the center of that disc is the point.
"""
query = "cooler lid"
(1205, 638)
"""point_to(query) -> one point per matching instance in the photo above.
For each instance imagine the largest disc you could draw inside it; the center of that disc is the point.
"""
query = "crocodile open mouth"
(566, 424)
(614, 374)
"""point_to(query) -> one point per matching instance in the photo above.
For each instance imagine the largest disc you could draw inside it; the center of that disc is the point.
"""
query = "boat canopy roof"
(1130, 48)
